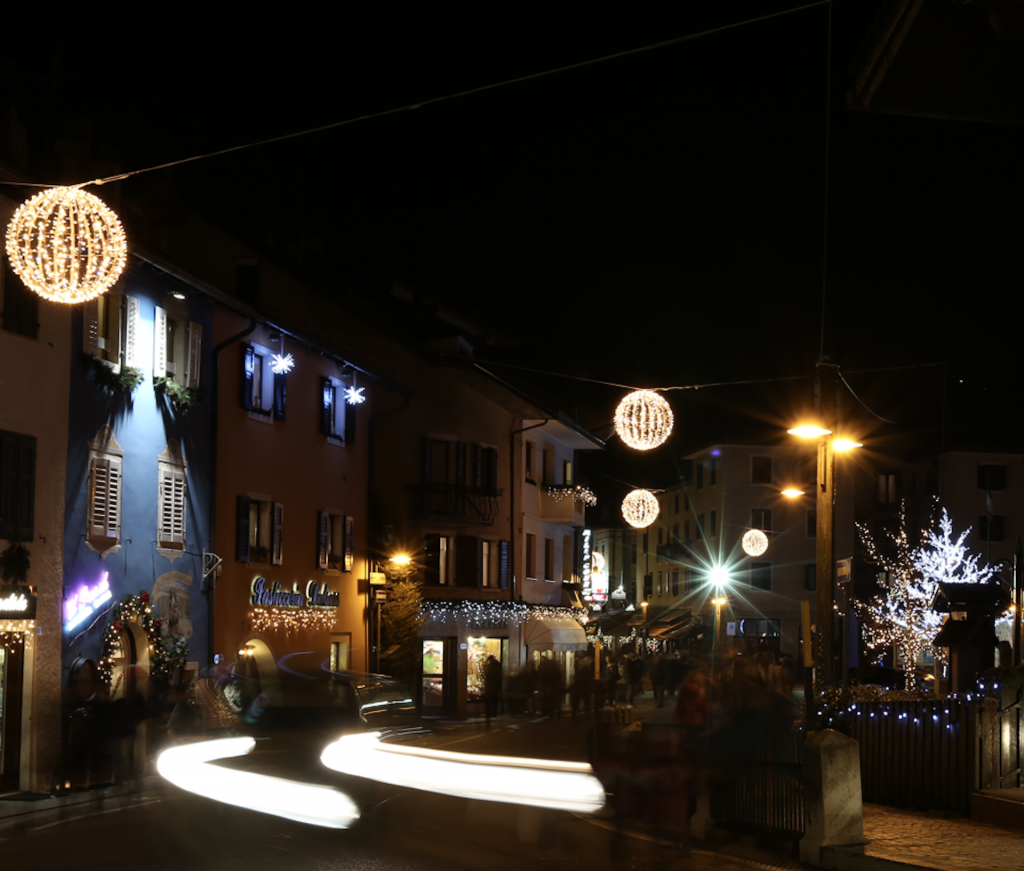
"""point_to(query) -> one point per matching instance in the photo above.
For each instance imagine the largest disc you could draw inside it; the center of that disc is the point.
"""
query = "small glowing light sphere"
(66, 245)
(643, 420)
(354, 395)
(754, 542)
(845, 445)
(809, 431)
(282, 365)
(640, 509)
(719, 576)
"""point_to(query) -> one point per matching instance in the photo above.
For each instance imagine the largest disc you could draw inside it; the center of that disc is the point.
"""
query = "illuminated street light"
(809, 431)
(792, 493)
(845, 445)
(719, 576)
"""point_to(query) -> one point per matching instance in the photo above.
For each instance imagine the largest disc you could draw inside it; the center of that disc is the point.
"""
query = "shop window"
(21, 306)
(433, 674)
(262, 392)
(103, 508)
(172, 498)
(336, 541)
(337, 418)
(259, 530)
(17, 486)
(477, 652)
(760, 470)
(177, 344)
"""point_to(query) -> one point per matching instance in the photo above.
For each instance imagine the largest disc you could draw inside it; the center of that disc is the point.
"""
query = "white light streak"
(569, 786)
(188, 767)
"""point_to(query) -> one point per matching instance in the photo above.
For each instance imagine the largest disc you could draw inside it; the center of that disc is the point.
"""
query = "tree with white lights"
(944, 561)
(901, 616)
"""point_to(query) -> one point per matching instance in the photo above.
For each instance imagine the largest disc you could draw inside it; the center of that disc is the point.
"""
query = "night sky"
(652, 220)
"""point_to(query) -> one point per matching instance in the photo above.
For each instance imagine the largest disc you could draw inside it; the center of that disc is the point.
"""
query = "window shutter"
(280, 395)
(25, 526)
(104, 499)
(491, 480)
(504, 552)
(478, 471)
(132, 319)
(245, 380)
(350, 423)
(479, 564)
(91, 327)
(159, 343)
(172, 508)
(326, 406)
(467, 549)
(323, 532)
(277, 534)
(432, 558)
(193, 362)
(350, 543)
(460, 478)
(427, 454)
(242, 529)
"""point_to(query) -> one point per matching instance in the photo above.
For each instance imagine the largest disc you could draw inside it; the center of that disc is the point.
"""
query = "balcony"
(559, 508)
(454, 504)
(675, 551)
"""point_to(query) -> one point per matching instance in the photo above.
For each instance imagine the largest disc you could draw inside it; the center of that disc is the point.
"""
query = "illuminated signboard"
(599, 578)
(18, 603)
(585, 564)
(273, 595)
(85, 602)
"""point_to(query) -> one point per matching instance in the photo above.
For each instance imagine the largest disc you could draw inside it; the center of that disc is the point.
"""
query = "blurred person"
(693, 709)
(492, 687)
(636, 677)
(658, 673)
(552, 689)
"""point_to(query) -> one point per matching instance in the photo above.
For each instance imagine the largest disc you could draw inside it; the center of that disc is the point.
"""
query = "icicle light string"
(421, 103)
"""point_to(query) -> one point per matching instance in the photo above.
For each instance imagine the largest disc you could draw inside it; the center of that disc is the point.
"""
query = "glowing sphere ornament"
(640, 509)
(66, 245)
(643, 420)
(754, 542)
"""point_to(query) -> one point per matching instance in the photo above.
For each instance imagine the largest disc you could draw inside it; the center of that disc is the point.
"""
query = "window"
(549, 559)
(657, 585)
(713, 471)
(991, 527)
(886, 489)
(439, 559)
(341, 648)
(336, 541)
(991, 476)
(661, 536)
(810, 576)
(761, 518)
(17, 486)
(675, 504)
(111, 326)
(568, 570)
(675, 533)
(171, 500)
(770, 627)
(261, 391)
(529, 463)
(103, 508)
(700, 525)
(645, 543)
(812, 523)
(761, 576)
(567, 472)
(713, 528)
(337, 419)
(686, 531)
(690, 582)
(259, 530)
(21, 306)
(486, 574)
(760, 470)
(177, 344)
(675, 582)
(700, 476)
(531, 556)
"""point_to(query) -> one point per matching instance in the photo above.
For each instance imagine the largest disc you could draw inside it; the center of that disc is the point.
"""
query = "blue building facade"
(137, 518)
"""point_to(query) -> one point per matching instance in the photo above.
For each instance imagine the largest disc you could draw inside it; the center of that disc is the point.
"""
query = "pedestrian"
(549, 677)
(658, 673)
(636, 677)
(492, 688)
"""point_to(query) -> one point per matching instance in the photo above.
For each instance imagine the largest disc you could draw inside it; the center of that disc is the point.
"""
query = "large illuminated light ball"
(643, 420)
(754, 542)
(640, 509)
(66, 245)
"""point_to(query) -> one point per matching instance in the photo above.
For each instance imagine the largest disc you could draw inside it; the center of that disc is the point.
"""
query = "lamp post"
(719, 577)
(825, 547)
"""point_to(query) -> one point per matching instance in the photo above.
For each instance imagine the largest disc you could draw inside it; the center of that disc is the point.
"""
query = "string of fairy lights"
(291, 620)
(13, 631)
(481, 613)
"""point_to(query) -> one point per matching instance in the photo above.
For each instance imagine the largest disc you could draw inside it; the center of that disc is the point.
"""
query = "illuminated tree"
(901, 616)
(944, 561)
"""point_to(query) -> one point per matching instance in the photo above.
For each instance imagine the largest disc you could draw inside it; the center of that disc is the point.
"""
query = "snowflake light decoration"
(354, 395)
(282, 364)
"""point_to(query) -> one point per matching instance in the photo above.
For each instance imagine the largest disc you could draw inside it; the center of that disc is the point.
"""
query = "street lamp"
(719, 577)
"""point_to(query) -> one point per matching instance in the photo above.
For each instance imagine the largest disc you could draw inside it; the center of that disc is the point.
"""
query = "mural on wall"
(171, 603)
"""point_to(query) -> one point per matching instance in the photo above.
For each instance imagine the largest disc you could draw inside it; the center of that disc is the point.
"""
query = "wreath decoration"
(165, 654)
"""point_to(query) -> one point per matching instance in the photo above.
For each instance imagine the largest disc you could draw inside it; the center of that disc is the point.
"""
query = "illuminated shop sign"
(18, 603)
(273, 595)
(85, 602)
(585, 564)
(598, 578)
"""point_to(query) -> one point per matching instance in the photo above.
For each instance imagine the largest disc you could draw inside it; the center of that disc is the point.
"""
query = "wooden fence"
(918, 754)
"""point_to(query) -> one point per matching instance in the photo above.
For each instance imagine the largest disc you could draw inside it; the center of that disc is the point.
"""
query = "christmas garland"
(165, 655)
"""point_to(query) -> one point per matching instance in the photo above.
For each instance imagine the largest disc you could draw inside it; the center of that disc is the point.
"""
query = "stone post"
(832, 795)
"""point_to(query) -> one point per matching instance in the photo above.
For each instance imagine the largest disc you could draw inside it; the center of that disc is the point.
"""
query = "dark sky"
(652, 220)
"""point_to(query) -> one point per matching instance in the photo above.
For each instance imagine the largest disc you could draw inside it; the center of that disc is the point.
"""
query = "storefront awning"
(554, 633)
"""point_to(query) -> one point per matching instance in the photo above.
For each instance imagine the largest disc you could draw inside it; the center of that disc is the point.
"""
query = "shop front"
(555, 638)
(17, 628)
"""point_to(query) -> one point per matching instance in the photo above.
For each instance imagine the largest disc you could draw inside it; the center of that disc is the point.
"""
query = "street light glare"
(401, 560)
(845, 445)
(719, 576)
(809, 431)
(792, 492)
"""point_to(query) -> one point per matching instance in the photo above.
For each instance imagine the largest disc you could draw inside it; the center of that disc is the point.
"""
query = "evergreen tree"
(401, 621)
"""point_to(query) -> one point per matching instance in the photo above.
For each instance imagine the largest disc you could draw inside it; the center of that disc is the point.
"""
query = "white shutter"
(193, 361)
(132, 355)
(104, 498)
(91, 327)
(159, 343)
(172, 507)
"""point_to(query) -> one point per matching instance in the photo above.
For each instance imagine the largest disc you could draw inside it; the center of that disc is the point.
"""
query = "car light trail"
(188, 767)
(569, 786)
